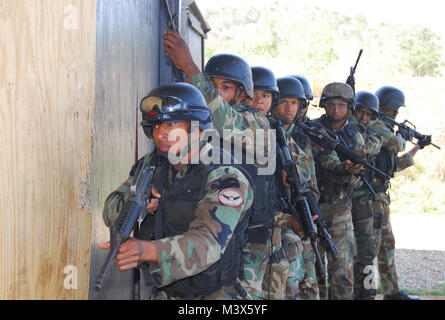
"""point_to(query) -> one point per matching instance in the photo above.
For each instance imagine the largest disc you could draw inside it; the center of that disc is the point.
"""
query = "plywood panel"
(47, 68)
(127, 68)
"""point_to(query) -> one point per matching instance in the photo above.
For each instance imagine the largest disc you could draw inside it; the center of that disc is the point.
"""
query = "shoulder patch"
(231, 197)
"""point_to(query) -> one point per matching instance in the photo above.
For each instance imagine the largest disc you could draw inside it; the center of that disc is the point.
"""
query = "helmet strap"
(235, 98)
(284, 120)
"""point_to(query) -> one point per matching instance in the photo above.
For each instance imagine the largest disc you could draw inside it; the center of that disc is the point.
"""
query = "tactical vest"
(175, 213)
(328, 190)
(263, 209)
(264, 205)
(387, 162)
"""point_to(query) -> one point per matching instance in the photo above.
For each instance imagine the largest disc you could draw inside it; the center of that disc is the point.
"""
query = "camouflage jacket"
(373, 144)
(305, 164)
(335, 183)
(208, 234)
(393, 143)
(306, 171)
(234, 120)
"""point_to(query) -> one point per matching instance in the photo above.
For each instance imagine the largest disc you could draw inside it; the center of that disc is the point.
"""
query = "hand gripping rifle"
(330, 141)
(409, 131)
(134, 209)
(351, 79)
(173, 24)
(303, 204)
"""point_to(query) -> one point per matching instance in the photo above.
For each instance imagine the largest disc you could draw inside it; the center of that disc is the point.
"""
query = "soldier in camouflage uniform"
(266, 95)
(195, 229)
(391, 99)
(291, 247)
(309, 286)
(302, 114)
(336, 180)
(362, 214)
(225, 84)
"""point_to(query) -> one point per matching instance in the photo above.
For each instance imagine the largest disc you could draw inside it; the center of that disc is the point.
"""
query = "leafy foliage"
(312, 40)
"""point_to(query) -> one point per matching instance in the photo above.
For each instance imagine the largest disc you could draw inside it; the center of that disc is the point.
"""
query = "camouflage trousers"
(309, 285)
(340, 271)
(385, 245)
(232, 292)
(285, 270)
(255, 259)
(364, 273)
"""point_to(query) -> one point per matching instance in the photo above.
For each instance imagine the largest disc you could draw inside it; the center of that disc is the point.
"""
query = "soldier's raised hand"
(178, 50)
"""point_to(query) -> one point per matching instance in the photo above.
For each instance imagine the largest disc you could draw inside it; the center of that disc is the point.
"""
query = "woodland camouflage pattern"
(282, 286)
(232, 118)
(205, 241)
(383, 235)
(239, 118)
(335, 205)
(363, 220)
(308, 284)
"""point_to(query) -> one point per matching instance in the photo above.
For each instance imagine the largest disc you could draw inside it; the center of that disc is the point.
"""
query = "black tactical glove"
(422, 143)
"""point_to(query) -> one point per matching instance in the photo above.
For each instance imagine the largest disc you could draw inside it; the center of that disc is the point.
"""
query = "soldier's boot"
(401, 295)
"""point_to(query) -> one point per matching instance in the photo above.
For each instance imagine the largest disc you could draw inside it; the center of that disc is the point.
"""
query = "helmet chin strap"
(283, 120)
(235, 98)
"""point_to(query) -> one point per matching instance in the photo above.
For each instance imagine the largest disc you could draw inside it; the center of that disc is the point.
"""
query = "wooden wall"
(127, 68)
(72, 74)
(47, 78)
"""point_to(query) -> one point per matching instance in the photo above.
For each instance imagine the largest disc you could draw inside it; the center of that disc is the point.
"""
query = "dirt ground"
(380, 297)
(420, 252)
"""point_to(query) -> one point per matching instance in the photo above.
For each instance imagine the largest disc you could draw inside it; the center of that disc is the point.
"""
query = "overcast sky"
(429, 13)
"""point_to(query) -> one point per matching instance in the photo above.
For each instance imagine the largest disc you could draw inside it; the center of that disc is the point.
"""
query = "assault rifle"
(409, 131)
(351, 79)
(173, 24)
(330, 141)
(134, 209)
(303, 205)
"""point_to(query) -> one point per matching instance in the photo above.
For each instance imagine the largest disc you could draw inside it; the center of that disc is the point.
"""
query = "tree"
(422, 49)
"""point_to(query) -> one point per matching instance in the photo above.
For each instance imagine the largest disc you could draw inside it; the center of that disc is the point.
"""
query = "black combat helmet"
(291, 88)
(231, 67)
(264, 80)
(176, 102)
(390, 98)
(306, 86)
(339, 90)
(369, 101)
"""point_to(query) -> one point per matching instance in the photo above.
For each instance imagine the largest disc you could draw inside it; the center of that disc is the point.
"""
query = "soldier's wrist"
(150, 252)
(191, 69)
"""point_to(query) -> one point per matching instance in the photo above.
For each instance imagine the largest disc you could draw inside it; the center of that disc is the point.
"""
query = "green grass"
(417, 191)
(437, 292)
